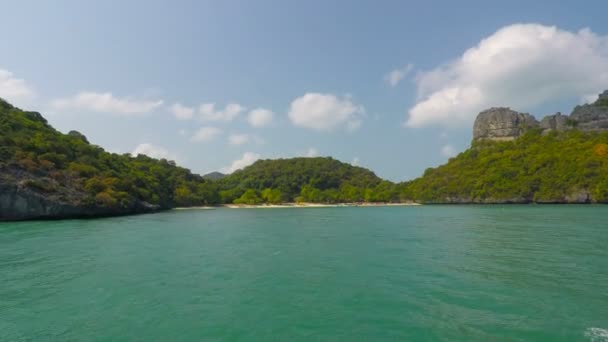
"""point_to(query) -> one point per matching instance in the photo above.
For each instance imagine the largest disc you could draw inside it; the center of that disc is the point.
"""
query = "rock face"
(502, 124)
(590, 117)
(556, 122)
(505, 124)
(18, 201)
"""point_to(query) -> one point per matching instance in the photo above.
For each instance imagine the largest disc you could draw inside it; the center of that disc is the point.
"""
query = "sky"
(393, 86)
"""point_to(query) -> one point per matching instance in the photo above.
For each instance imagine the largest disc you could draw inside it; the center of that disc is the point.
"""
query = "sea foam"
(597, 334)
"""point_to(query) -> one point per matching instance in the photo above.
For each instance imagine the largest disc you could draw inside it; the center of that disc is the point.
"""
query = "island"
(513, 158)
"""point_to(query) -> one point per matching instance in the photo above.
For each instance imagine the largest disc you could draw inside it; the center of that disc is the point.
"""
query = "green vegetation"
(570, 166)
(66, 165)
(557, 167)
(316, 180)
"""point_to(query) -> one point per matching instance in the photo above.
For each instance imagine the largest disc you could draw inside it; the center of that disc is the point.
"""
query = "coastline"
(299, 205)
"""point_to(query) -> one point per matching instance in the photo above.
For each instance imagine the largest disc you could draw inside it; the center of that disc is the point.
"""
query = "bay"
(432, 273)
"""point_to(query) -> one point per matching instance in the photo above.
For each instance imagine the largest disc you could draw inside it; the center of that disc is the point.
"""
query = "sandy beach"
(316, 205)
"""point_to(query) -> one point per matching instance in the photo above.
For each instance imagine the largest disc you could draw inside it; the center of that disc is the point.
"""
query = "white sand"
(317, 205)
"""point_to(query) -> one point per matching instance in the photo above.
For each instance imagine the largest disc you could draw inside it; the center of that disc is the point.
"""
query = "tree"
(250, 197)
(272, 196)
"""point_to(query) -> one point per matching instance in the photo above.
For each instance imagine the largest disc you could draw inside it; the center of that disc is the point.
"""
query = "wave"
(597, 334)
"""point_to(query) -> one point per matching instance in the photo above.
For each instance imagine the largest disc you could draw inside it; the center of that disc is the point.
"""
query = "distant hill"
(321, 179)
(214, 176)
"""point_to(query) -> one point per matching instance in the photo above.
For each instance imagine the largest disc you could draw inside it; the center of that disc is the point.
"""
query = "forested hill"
(44, 173)
(516, 159)
(558, 167)
(321, 179)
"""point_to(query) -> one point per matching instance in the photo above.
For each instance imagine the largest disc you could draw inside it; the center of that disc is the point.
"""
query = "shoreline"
(298, 205)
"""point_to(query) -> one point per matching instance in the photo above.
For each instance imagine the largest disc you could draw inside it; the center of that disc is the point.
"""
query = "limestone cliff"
(506, 124)
(502, 124)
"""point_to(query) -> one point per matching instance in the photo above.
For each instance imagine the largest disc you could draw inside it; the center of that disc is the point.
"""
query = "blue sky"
(116, 71)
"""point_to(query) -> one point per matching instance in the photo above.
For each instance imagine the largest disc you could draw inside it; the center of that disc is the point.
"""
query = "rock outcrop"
(503, 124)
(21, 201)
(592, 117)
(556, 122)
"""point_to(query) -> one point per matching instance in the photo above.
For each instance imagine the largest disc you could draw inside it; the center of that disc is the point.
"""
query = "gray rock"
(578, 196)
(502, 124)
(590, 117)
(556, 122)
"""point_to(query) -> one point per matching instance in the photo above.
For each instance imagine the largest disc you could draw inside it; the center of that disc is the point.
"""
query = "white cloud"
(356, 161)
(394, 77)
(448, 151)
(182, 112)
(521, 66)
(238, 139)
(153, 152)
(208, 112)
(206, 134)
(241, 139)
(260, 117)
(247, 159)
(14, 89)
(106, 103)
(312, 152)
(325, 112)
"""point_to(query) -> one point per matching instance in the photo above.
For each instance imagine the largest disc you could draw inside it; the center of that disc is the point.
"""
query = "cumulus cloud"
(153, 151)
(14, 89)
(241, 139)
(325, 112)
(520, 65)
(182, 112)
(206, 134)
(208, 112)
(260, 117)
(448, 151)
(394, 77)
(106, 103)
(247, 159)
(356, 161)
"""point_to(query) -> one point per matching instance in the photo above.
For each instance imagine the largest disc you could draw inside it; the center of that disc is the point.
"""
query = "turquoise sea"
(427, 273)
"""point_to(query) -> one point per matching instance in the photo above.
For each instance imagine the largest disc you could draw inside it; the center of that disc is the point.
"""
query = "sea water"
(425, 273)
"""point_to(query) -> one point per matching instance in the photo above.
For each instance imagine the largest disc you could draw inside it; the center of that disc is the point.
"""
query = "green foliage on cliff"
(67, 165)
(319, 180)
(557, 167)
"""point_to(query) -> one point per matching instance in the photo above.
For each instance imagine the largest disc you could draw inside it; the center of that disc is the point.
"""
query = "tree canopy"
(569, 166)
